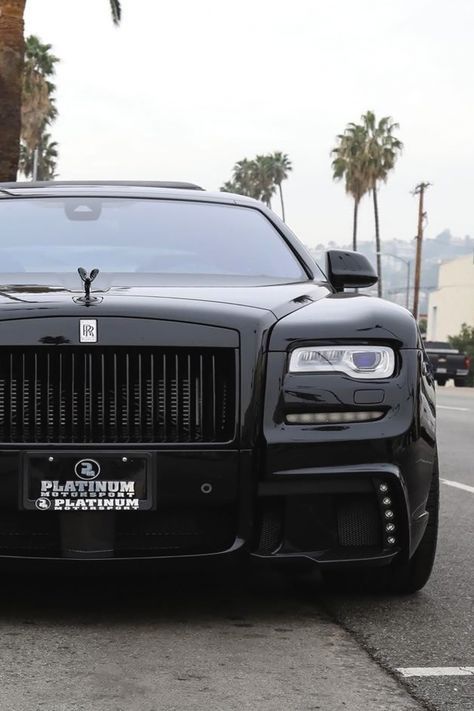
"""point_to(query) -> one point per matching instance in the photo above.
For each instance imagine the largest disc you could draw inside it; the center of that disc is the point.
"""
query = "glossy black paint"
(268, 460)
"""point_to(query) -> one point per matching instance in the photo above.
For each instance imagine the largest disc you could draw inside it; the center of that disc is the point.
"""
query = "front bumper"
(209, 505)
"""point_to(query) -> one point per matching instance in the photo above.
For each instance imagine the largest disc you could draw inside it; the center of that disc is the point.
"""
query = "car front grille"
(117, 395)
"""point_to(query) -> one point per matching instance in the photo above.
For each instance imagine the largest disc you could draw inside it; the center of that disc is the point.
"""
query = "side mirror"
(349, 270)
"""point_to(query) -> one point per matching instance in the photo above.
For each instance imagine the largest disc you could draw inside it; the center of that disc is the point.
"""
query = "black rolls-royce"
(179, 379)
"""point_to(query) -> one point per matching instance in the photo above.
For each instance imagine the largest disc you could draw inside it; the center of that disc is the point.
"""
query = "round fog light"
(383, 487)
(390, 527)
(391, 540)
(386, 501)
(388, 514)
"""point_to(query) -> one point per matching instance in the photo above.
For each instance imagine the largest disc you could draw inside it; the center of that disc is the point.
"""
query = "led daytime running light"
(332, 418)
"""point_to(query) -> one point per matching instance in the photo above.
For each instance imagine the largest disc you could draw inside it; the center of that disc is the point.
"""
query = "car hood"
(204, 303)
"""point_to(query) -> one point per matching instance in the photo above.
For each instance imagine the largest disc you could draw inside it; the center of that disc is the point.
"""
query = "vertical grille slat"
(151, 390)
(10, 409)
(60, 399)
(163, 395)
(103, 405)
(117, 395)
(25, 421)
(177, 404)
(213, 390)
(73, 400)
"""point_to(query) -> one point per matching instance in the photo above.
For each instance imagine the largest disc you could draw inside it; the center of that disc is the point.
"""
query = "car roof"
(123, 188)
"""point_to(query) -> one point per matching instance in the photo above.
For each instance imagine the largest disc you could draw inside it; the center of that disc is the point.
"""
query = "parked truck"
(448, 362)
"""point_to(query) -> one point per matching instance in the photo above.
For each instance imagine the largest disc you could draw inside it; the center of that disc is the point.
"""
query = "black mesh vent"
(358, 520)
(271, 526)
(116, 395)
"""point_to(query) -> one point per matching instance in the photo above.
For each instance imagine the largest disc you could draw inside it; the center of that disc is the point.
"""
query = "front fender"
(346, 317)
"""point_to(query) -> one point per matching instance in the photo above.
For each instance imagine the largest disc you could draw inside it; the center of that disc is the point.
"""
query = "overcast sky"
(182, 90)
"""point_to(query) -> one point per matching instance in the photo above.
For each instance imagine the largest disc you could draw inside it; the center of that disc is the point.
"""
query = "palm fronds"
(259, 178)
(38, 108)
(116, 10)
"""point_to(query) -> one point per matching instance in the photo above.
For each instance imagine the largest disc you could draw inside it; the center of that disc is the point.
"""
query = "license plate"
(73, 481)
(441, 370)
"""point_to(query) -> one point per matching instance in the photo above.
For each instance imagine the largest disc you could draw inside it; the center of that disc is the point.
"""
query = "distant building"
(452, 304)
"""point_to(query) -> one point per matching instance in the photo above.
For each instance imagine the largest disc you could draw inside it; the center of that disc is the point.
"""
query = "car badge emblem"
(88, 330)
(87, 469)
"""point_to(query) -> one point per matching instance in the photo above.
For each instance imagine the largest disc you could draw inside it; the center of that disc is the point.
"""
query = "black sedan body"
(173, 406)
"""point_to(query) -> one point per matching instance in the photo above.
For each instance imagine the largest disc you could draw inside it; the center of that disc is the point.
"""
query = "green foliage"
(38, 57)
(423, 325)
(464, 342)
(382, 147)
(349, 161)
(38, 110)
(259, 178)
(38, 102)
(47, 158)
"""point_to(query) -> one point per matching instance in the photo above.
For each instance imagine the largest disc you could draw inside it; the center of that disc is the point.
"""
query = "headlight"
(368, 362)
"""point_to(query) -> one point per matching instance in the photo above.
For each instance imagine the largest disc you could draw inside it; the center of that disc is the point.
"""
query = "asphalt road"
(435, 627)
(254, 641)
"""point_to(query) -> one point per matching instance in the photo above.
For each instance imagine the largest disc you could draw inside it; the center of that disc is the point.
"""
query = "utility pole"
(420, 191)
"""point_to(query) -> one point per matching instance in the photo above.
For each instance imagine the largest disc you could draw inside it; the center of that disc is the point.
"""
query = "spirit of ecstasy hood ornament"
(87, 279)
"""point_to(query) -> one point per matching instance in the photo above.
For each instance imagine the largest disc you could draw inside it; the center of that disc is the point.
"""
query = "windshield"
(140, 235)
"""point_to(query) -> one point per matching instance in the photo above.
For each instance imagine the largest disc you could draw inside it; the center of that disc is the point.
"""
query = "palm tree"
(263, 176)
(350, 163)
(244, 178)
(38, 106)
(46, 159)
(281, 167)
(11, 67)
(242, 181)
(12, 49)
(382, 151)
(116, 10)
(251, 178)
(229, 187)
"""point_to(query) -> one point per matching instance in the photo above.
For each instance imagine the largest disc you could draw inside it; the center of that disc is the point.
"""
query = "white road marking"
(447, 407)
(436, 671)
(458, 485)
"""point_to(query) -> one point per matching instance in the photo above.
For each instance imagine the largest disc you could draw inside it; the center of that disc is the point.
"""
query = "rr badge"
(88, 330)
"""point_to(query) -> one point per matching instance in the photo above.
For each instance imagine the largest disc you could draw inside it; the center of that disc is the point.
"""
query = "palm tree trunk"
(282, 203)
(12, 50)
(354, 225)
(377, 242)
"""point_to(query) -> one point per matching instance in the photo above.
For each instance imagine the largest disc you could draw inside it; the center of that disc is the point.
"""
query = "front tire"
(460, 382)
(441, 381)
